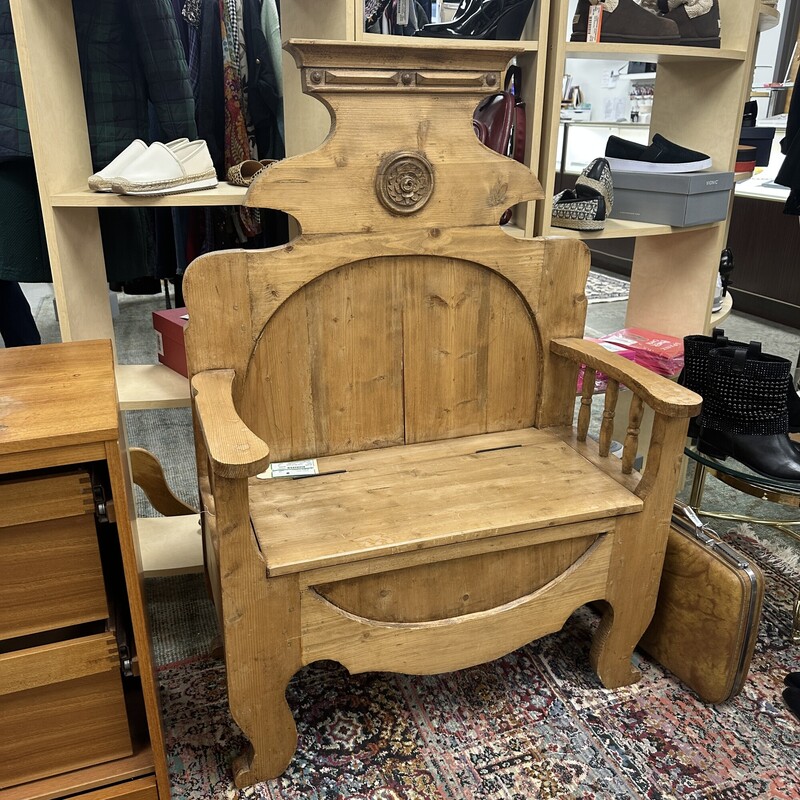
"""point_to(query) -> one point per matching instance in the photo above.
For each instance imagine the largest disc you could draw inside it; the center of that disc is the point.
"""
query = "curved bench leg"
(261, 626)
(272, 734)
(634, 577)
(260, 665)
(612, 649)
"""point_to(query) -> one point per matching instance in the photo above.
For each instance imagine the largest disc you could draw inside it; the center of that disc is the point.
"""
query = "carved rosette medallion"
(404, 183)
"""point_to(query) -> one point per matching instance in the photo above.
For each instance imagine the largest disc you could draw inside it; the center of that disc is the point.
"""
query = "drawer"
(50, 571)
(62, 707)
(144, 789)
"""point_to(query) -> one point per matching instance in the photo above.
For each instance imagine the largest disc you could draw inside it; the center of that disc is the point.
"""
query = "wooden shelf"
(718, 317)
(515, 231)
(437, 42)
(649, 52)
(223, 195)
(622, 228)
(768, 17)
(142, 386)
(170, 545)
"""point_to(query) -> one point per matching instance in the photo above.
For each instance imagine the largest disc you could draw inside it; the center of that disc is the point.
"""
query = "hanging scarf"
(237, 143)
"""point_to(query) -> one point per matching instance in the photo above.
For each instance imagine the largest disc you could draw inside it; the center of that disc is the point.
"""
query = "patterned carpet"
(535, 724)
(602, 288)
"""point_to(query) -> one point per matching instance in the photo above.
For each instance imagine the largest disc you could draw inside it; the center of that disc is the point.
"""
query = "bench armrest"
(233, 449)
(661, 394)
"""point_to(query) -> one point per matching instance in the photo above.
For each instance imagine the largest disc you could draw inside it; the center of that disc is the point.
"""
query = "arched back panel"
(393, 350)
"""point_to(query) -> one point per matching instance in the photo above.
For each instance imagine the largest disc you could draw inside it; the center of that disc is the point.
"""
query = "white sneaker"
(163, 170)
(101, 180)
(716, 305)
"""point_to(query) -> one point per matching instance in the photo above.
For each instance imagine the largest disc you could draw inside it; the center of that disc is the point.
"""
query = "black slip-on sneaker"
(596, 179)
(625, 21)
(578, 213)
(661, 155)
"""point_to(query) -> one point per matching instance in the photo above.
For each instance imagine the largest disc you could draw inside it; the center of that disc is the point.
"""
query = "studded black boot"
(695, 374)
(745, 413)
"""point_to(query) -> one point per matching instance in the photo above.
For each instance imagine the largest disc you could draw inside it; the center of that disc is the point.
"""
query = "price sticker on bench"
(290, 469)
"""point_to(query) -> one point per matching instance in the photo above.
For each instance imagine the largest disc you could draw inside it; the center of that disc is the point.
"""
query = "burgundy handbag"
(499, 122)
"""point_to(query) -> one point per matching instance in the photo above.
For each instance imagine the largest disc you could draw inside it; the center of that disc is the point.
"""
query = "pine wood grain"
(666, 397)
(61, 708)
(388, 501)
(148, 474)
(59, 408)
(428, 360)
(50, 576)
(234, 450)
(124, 772)
(424, 648)
(41, 499)
(69, 399)
(447, 589)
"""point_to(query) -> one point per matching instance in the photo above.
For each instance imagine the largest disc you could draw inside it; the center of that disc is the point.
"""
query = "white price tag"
(290, 469)
(402, 12)
(160, 343)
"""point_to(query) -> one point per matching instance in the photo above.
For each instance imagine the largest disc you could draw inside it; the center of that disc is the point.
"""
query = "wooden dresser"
(79, 711)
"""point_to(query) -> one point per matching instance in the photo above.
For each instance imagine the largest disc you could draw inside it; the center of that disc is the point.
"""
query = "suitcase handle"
(686, 518)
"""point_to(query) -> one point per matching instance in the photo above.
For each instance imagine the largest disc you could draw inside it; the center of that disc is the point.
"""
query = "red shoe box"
(169, 325)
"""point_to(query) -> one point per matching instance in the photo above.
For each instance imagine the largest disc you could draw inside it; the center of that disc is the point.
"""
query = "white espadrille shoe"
(161, 170)
(101, 180)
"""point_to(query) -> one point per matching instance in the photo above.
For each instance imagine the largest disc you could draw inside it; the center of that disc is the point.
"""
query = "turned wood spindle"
(585, 414)
(609, 409)
(632, 437)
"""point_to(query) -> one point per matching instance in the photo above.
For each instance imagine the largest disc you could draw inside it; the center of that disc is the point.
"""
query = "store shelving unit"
(308, 122)
(48, 55)
(699, 95)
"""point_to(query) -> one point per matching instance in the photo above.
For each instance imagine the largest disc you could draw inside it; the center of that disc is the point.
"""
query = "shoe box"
(169, 325)
(761, 139)
(679, 199)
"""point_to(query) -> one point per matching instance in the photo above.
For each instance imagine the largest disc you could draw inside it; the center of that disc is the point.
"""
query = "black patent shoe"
(493, 19)
(465, 9)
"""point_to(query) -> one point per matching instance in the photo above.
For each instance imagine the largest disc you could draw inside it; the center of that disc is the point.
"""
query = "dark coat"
(263, 93)
(789, 173)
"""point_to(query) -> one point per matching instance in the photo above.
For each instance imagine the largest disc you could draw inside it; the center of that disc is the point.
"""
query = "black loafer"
(661, 155)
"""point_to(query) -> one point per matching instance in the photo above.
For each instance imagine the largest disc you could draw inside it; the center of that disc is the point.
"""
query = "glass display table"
(730, 472)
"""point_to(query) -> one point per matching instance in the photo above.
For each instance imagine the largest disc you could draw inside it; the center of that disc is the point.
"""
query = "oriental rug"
(535, 724)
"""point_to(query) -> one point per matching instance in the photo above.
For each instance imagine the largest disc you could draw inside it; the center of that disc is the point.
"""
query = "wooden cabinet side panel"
(122, 492)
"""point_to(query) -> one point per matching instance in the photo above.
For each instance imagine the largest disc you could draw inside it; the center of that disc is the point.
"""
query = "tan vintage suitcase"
(709, 605)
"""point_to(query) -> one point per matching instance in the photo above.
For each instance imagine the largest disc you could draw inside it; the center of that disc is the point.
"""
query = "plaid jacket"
(130, 53)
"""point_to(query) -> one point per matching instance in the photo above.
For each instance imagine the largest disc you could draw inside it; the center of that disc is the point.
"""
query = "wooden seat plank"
(382, 502)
